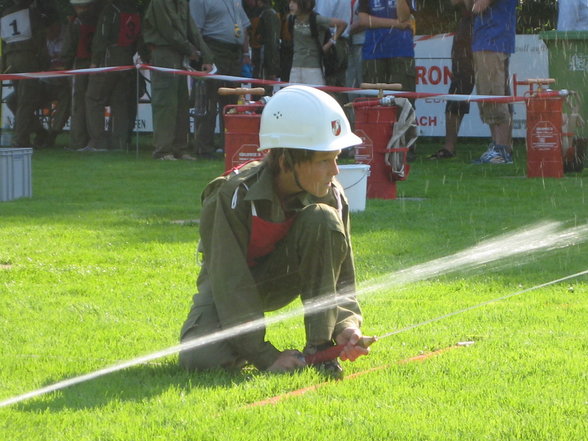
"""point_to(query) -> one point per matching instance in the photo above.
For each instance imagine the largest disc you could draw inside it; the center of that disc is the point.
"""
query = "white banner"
(433, 64)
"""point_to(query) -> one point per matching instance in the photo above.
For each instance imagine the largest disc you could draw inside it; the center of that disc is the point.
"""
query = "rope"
(334, 89)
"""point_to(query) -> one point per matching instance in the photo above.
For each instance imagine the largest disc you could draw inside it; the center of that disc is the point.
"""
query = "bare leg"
(452, 124)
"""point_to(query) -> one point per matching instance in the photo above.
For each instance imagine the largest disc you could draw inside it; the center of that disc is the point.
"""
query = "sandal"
(442, 154)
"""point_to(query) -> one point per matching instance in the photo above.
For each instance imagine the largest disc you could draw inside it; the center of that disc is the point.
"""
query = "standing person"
(340, 9)
(354, 74)
(77, 54)
(224, 27)
(493, 42)
(174, 39)
(308, 34)
(462, 78)
(56, 90)
(266, 40)
(286, 43)
(388, 51)
(276, 230)
(114, 44)
(24, 50)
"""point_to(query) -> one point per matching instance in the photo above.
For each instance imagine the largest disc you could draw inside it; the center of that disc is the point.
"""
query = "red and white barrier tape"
(236, 79)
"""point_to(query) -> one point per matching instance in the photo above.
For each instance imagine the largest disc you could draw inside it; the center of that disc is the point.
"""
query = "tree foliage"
(433, 16)
(438, 16)
(533, 16)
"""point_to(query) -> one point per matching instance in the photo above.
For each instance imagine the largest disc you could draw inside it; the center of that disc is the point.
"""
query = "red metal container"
(373, 124)
(544, 136)
(242, 133)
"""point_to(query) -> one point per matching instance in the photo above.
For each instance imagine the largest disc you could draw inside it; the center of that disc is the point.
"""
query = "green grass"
(94, 270)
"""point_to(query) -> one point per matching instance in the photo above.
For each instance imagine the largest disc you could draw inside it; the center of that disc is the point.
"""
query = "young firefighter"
(275, 230)
(77, 54)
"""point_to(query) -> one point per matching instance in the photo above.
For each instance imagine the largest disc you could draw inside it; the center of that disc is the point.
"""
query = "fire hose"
(335, 351)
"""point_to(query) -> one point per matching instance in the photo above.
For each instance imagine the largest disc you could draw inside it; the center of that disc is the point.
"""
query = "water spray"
(540, 238)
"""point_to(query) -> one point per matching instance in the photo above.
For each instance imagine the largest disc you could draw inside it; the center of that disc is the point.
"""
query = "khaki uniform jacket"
(225, 229)
(169, 23)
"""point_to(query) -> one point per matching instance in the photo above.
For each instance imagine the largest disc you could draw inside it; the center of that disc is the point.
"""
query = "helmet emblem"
(278, 115)
(336, 127)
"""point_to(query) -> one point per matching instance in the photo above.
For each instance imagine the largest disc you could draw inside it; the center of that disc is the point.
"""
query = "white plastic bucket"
(353, 179)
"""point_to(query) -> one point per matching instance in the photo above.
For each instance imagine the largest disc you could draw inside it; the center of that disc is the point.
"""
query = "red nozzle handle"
(334, 351)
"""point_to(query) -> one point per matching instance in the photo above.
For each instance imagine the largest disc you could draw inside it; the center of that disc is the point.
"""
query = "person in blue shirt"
(493, 42)
(388, 50)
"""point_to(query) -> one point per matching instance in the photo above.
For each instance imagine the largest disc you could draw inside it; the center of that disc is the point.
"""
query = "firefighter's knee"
(202, 323)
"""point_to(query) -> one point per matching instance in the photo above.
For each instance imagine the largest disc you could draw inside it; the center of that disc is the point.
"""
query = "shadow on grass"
(136, 384)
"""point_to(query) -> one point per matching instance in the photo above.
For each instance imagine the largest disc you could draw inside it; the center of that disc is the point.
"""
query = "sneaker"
(505, 153)
(487, 154)
(496, 154)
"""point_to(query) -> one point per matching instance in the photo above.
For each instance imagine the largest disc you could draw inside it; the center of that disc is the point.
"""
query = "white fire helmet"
(302, 117)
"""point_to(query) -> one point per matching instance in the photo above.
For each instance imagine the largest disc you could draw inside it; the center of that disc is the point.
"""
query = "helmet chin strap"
(290, 164)
(297, 181)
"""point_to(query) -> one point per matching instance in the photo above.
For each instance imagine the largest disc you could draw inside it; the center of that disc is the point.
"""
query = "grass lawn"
(99, 267)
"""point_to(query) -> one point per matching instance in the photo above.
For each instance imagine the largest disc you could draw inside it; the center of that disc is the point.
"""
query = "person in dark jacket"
(174, 40)
(77, 54)
(23, 28)
(114, 44)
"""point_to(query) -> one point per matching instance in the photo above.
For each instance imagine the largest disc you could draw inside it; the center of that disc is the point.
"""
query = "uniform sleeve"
(348, 310)
(168, 24)
(102, 37)
(225, 236)
(68, 50)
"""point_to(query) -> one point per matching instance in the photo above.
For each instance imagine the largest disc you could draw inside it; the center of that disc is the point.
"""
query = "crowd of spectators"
(372, 39)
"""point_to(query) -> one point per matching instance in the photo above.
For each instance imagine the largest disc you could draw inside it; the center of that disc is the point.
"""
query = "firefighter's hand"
(350, 337)
(288, 361)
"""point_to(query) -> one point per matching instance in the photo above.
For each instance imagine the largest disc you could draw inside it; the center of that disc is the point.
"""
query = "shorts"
(307, 75)
(462, 83)
(391, 70)
(492, 76)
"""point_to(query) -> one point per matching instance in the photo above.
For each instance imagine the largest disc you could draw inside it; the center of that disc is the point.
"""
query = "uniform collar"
(263, 188)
